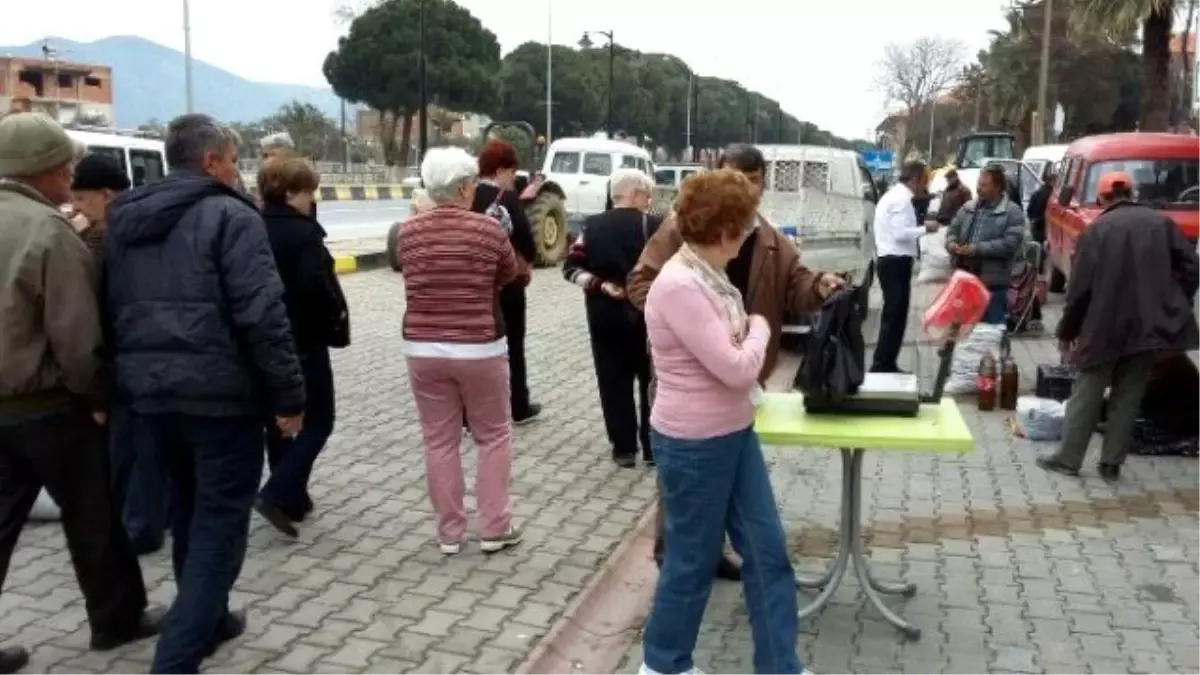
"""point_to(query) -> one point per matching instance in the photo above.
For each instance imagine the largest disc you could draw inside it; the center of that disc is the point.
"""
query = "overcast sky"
(817, 57)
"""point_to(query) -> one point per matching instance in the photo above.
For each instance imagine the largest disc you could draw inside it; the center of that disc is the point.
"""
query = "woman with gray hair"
(454, 263)
(599, 261)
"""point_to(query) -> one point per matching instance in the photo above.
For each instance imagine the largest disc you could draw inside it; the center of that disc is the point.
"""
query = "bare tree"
(915, 73)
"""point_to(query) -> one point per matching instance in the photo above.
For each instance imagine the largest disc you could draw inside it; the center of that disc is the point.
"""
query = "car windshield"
(979, 148)
(1162, 182)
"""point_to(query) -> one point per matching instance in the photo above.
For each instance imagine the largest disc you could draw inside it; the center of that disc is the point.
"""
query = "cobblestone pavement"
(364, 589)
(1017, 570)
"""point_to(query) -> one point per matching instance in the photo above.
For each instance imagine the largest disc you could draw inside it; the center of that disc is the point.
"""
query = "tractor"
(544, 200)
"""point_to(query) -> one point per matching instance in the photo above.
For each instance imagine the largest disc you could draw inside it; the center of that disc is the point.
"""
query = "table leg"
(870, 586)
(828, 583)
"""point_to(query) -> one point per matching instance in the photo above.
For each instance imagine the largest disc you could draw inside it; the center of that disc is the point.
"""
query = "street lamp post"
(586, 43)
(187, 55)
(423, 113)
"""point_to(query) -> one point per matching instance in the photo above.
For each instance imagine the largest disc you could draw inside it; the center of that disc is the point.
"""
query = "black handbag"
(835, 359)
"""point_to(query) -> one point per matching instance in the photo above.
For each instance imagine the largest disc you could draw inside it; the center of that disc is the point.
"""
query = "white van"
(581, 167)
(673, 174)
(144, 160)
(1038, 157)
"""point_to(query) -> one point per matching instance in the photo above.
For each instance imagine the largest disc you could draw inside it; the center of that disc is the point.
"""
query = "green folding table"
(937, 428)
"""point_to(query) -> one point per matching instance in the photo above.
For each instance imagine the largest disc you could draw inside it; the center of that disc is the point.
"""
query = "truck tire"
(548, 216)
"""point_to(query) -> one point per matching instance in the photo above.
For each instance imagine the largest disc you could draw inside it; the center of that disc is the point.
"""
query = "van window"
(785, 176)
(816, 175)
(630, 162)
(688, 173)
(147, 166)
(565, 162)
(115, 154)
(664, 177)
(868, 184)
(598, 164)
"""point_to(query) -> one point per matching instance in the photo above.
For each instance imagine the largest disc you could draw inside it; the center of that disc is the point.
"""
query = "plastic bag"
(1040, 419)
(957, 308)
(936, 264)
(984, 339)
(44, 508)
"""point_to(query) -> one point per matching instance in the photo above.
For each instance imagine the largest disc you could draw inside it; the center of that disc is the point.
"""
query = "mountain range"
(149, 82)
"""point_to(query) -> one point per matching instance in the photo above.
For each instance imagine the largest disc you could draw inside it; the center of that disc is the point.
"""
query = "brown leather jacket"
(953, 199)
(779, 285)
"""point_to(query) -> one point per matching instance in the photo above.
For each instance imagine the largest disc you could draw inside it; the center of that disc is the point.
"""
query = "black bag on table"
(835, 361)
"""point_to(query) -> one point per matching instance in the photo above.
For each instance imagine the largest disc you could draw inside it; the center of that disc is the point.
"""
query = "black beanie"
(99, 172)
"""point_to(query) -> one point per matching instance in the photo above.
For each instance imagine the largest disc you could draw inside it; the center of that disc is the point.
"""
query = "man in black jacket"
(203, 353)
(600, 261)
(1133, 278)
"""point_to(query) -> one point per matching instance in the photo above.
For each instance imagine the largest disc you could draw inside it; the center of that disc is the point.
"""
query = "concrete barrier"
(369, 193)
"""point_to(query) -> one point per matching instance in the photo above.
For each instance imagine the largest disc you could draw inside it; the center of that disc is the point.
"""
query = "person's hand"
(289, 425)
(761, 321)
(100, 417)
(931, 226)
(829, 283)
(612, 290)
(967, 250)
(1065, 349)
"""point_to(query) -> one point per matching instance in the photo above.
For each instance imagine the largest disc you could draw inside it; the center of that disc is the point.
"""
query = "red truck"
(1164, 167)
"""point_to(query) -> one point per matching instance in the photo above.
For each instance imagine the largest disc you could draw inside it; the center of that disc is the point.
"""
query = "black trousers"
(512, 308)
(622, 360)
(895, 279)
(62, 452)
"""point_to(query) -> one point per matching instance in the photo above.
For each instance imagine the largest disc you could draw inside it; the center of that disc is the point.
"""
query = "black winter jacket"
(315, 303)
(194, 306)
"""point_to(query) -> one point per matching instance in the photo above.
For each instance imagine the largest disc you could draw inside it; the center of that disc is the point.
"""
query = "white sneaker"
(646, 670)
(450, 548)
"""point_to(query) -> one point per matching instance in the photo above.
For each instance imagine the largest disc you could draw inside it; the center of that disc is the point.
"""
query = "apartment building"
(65, 90)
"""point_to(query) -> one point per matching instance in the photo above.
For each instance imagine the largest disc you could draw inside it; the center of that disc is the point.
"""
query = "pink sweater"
(704, 378)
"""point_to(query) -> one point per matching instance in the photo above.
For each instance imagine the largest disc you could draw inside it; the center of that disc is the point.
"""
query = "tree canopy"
(377, 64)
(651, 100)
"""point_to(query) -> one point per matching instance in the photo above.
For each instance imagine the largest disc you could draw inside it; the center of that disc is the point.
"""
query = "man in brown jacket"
(767, 270)
(50, 384)
(953, 198)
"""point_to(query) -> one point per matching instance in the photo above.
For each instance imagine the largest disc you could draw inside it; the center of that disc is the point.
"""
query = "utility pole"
(1039, 129)
(754, 127)
(696, 115)
(345, 142)
(423, 113)
(932, 112)
(187, 56)
(688, 117)
(779, 124)
(549, 71)
(586, 43)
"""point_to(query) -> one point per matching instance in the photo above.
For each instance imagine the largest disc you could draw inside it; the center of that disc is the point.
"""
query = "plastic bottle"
(1009, 382)
(985, 382)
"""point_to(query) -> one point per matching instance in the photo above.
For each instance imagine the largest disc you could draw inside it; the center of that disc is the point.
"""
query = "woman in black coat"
(320, 319)
(497, 197)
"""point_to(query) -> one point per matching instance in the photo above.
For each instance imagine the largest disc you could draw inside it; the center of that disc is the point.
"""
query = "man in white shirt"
(896, 234)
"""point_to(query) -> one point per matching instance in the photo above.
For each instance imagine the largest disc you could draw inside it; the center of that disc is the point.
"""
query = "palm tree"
(1155, 18)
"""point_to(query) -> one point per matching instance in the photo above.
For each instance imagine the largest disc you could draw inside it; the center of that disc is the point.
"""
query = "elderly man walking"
(1133, 278)
(51, 394)
(600, 261)
(203, 354)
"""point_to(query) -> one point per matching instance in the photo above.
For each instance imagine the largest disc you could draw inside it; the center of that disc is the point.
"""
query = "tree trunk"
(1156, 72)
(406, 118)
(387, 136)
(1186, 54)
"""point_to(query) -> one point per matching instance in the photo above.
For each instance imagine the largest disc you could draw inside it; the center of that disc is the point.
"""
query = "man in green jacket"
(51, 391)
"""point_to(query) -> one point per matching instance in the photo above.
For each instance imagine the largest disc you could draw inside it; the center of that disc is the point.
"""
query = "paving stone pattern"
(364, 589)
(1017, 570)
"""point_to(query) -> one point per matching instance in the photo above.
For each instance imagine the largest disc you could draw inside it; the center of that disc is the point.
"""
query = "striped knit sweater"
(454, 263)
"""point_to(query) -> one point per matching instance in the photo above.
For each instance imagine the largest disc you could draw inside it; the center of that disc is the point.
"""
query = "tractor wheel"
(393, 243)
(548, 216)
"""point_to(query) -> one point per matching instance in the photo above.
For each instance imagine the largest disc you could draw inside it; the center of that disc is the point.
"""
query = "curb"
(362, 262)
(358, 193)
(595, 631)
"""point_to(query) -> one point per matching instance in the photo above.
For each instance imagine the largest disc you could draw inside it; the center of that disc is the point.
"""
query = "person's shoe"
(148, 626)
(499, 543)
(728, 570)
(12, 659)
(535, 409)
(625, 461)
(142, 547)
(1111, 473)
(648, 458)
(1051, 464)
(647, 670)
(450, 547)
(276, 517)
(232, 626)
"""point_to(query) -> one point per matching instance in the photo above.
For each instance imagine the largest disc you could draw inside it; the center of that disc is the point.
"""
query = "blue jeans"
(139, 480)
(709, 486)
(291, 460)
(215, 464)
(997, 309)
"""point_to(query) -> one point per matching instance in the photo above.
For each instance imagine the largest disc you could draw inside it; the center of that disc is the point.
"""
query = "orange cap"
(1113, 180)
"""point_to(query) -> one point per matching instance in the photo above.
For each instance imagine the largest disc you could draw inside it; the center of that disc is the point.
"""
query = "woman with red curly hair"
(707, 355)
(496, 197)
